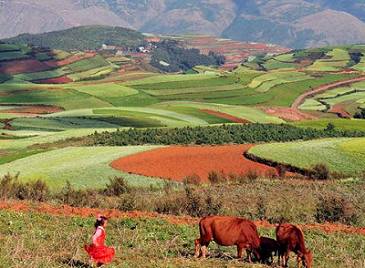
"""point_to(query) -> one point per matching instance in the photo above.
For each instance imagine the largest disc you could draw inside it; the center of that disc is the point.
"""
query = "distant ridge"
(289, 23)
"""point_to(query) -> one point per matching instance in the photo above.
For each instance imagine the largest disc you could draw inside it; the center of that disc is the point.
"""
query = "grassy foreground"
(38, 240)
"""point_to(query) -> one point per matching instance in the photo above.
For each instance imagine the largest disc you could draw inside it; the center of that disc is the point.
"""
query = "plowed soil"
(34, 109)
(229, 117)
(178, 162)
(24, 66)
(57, 80)
(67, 211)
(340, 110)
(288, 114)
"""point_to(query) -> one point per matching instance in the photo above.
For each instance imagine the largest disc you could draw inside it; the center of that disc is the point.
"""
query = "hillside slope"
(81, 38)
(294, 23)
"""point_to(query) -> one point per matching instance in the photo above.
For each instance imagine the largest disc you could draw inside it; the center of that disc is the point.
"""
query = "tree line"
(224, 134)
(169, 56)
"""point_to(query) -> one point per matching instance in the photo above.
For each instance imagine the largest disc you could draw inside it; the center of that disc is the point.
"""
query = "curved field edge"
(83, 167)
(142, 240)
(344, 155)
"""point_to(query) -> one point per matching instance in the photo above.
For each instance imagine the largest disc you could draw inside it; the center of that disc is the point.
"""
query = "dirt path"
(323, 88)
(22, 206)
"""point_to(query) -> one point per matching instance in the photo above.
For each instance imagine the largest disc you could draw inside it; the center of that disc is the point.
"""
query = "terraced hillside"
(49, 95)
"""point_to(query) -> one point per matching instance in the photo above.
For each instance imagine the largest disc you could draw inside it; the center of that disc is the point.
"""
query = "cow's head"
(307, 258)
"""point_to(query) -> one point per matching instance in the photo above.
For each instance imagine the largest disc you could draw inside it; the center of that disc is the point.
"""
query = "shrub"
(215, 177)
(192, 179)
(36, 190)
(281, 170)
(116, 187)
(11, 187)
(7, 185)
(261, 208)
(78, 198)
(252, 175)
(320, 172)
(128, 202)
(335, 209)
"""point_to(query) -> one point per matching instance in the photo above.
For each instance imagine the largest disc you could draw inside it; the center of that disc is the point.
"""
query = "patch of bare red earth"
(34, 109)
(57, 80)
(340, 111)
(288, 114)
(71, 59)
(229, 117)
(32, 65)
(68, 211)
(178, 162)
(23, 66)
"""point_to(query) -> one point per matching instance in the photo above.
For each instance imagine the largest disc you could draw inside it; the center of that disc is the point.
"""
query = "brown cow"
(291, 238)
(268, 249)
(228, 231)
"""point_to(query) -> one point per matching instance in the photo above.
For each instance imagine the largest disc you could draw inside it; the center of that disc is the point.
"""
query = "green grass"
(143, 242)
(84, 167)
(248, 113)
(166, 117)
(93, 74)
(344, 124)
(66, 98)
(40, 75)
(339, 58)
(112, 93)
(267, 81)
(12, 55)
(312, 105)
(60, 123)
(169, 78)
(341, 155)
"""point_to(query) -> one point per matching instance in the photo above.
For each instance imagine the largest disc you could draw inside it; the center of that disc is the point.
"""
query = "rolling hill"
(291, 23)
(82, 38)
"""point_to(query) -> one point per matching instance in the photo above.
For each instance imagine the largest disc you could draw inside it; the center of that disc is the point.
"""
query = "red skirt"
(100, 254)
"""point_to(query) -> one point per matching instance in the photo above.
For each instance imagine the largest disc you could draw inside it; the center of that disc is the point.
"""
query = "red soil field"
(178, 162)
(57, 80)
(68, 211)
(226, 116)
(34, 109)
(24, 66)
(340, 110)
(288, 114)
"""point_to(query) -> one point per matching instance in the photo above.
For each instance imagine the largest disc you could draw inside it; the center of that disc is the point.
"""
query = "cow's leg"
(204, 243)
(299, 261)
(286, 258)
(197, 248)
(280, 257)
(239, 251)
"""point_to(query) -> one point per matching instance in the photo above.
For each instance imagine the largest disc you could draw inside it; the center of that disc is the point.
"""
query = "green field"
(340, 155)
(351, 98)
(337, 60)
(344, 124)
(265, 82)
(83, 167)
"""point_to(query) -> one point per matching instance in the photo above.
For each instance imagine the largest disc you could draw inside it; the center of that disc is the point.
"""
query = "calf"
(291, 238)
(228, 231)
(268, 249)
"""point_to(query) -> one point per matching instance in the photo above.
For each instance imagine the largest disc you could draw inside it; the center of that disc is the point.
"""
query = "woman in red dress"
(99, 253)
